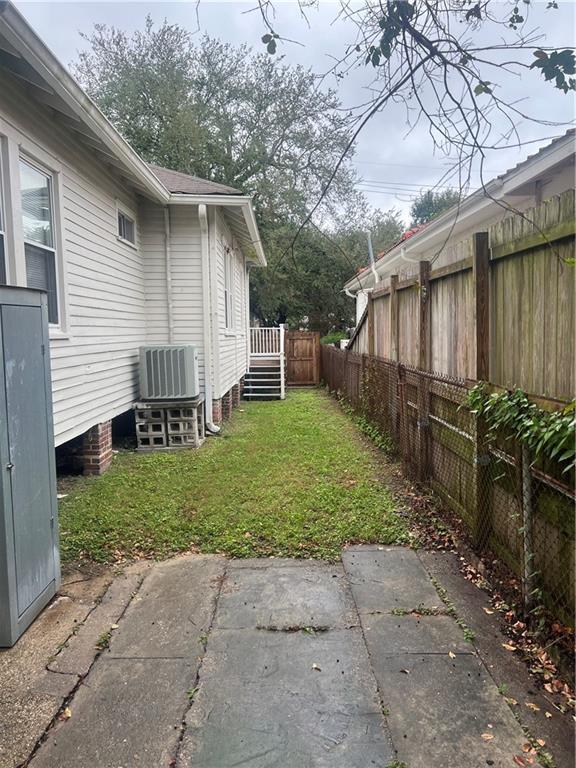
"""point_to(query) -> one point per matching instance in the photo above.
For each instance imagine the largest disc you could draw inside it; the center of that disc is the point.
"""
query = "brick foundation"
(217, 411)
(97, 448)
(227, 405)
(235, 395)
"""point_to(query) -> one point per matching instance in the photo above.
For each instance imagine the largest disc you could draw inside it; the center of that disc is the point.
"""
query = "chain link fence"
(520, 510)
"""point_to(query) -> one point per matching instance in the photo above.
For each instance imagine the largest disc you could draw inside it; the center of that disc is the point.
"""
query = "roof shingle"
(182, 183)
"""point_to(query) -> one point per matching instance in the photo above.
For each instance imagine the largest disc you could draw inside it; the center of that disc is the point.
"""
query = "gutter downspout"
(214, 319)
(168, 267)
(206, 326)
(372, 264)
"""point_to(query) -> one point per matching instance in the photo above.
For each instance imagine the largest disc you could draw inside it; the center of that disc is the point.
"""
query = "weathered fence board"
(530, 300)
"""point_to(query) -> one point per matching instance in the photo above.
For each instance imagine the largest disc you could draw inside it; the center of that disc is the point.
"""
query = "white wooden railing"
(267, 342)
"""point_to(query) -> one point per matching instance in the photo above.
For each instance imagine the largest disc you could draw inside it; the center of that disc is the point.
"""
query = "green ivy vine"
(547, 434)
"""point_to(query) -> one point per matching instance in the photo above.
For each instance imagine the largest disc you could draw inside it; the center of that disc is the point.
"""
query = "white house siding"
(94, 359)
(187, 296)
(232, 343)
(186, 277)
(152, 247)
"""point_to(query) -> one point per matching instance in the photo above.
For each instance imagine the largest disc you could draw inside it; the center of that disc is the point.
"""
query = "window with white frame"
(3, 270)
(229, 289)
(37, 192)
(126, 227)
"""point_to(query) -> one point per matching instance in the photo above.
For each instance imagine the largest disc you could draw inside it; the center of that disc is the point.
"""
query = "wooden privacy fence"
(503, 314)
(441, 445)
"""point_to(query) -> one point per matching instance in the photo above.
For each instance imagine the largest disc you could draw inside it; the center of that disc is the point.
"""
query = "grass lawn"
(286, 478)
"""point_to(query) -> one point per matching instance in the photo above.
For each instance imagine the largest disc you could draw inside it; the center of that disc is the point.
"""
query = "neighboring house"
(447, 238)
(129, 254)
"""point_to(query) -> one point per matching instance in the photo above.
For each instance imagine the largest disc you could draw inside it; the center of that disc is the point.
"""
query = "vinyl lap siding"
(152, 248)
(232, 342)
(94, 371)
(94, 367)
(187, 299)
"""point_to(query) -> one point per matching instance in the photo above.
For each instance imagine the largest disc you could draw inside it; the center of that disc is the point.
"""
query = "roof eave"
(227, 201)
(41, 58)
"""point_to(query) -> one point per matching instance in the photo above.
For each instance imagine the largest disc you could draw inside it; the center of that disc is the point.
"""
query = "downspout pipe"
(207, 331)
(371, 254)
(168, 267)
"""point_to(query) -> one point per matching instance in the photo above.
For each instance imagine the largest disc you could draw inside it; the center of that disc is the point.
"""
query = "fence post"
(482, 512)
(528, 581)
(423, 433)
(393, 318)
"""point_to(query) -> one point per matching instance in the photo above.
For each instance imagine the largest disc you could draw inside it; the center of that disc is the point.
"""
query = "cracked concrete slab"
(128, 710)
(127, 713)
(294, 594)
(30, 696)
(78, 654)
(172, 611)
(286, 699)
(387, 578)
(214, 665)
(414, 634)
(445, 712)
(507, 669)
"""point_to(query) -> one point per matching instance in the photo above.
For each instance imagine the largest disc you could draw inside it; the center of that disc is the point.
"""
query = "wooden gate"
(302, 358)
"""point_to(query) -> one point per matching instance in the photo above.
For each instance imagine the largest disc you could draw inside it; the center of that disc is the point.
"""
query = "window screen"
(38, 227)
(41, 273)
(126, 228)
(2, 235)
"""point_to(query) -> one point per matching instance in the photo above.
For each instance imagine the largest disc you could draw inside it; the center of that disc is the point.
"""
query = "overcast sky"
(386, 153)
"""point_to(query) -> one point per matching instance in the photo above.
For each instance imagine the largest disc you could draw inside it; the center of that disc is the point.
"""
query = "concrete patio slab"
(77, 656)
(445, 712)
(30, 696)
(415, 634)
(385, 578)
(286, 699)
(172, 611)
(217, 665)
(127, 713)
(284, 596)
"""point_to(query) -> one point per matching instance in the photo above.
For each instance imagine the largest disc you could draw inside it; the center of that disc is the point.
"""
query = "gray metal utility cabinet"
(29, 555)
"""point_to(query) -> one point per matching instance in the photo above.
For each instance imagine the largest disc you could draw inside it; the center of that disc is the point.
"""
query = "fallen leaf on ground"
(541, 742)
(452, 655)
(316, 668)
(533, 707)
(405, 671)
(66, 714)
(509, 647)
(548, 714)
(488, 611)
(487, 736)
(114, 626)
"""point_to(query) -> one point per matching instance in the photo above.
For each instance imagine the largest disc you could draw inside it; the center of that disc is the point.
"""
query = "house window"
(229, 289)
(2, 235)
(38, 227)
(126, 228)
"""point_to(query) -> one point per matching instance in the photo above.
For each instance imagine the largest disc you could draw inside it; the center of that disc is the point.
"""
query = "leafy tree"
(427, 205)
(446, 61)
(251, 121)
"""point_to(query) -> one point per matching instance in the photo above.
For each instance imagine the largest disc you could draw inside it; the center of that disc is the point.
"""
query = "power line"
(408, 165)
